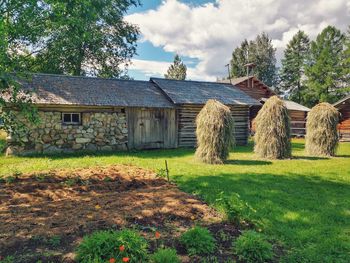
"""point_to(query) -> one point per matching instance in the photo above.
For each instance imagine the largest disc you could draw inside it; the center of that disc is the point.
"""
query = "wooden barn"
(343, 107)
(259, 91)
(92, 114)
(190, 97)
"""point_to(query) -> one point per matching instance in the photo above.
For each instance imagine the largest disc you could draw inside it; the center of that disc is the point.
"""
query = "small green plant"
(165, 255)
(10, 179)
(161, 173)
(70, 182)
(103, 246)
(8, 259)
(40, 177)
(54, 241)
(235, 209)
(198, 240)
(252, 247)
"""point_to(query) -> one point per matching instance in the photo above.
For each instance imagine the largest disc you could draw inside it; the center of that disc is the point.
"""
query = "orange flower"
(122, 248)
(112, 260)
(126, 259)
(157, 235)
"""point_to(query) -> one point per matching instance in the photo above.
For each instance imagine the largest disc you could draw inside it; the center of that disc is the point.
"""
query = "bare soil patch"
(44, 216)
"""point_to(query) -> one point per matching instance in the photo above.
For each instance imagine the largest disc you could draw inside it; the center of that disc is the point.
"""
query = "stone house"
(92, 114)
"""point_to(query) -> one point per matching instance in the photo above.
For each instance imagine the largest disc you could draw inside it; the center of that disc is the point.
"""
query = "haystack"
(321, 130)
(215, 133)
(272, 136)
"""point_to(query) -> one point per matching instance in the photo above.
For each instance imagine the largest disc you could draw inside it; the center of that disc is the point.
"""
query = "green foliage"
(321, 130)
(272, 136)
(198, 240)
(259, 51)
(165, 255)
(215, 133)
(8, 259)
(177, 70)
(252, 247)
(54, 241)
(324, 71)
(71, 37)
(293, 65)
(103, 245)
(235, 208)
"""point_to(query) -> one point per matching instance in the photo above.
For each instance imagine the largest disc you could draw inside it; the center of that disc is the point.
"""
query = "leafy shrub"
(8, 259)
(236, 210)
(215, 132)
(272, 136)
(252, 247)
(165, 255)
(198, 240)
(104, 245)
(321, 130)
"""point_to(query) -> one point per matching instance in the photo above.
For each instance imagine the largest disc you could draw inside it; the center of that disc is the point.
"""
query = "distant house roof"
(199, 92)
(291, 105)
(339, 102)
(87, 91)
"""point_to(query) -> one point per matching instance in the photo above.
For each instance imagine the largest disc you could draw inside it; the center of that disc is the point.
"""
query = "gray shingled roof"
(292, 105)
(68, 90)
(198, 92)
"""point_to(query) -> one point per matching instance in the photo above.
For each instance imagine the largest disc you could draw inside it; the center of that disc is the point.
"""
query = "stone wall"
(105, 131)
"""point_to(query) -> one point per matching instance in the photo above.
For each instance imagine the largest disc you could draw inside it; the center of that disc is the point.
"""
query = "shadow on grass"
(301, 211)
(310, 158)
(247, 162)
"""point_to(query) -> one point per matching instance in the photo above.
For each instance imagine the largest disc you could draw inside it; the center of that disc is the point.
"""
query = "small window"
(71, 118)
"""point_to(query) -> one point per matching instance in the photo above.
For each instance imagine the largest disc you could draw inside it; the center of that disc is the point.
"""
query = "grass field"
(303, 203)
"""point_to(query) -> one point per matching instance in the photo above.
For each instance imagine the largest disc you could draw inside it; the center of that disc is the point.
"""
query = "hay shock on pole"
(321, 130)
(272, 137)
(215, 133)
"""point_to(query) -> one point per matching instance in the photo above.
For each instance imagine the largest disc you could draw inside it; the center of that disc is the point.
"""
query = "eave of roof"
(341, 101)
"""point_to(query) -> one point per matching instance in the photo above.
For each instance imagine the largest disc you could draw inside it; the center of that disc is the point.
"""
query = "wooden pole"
(167, 170)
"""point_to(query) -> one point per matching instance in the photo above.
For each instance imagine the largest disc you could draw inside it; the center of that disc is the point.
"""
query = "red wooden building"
(260, 91)
(343, 107)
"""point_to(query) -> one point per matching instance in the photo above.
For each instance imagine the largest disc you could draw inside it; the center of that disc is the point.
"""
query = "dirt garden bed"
(44, 216)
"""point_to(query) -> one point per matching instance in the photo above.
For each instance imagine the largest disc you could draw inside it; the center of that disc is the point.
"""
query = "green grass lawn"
(303, 203)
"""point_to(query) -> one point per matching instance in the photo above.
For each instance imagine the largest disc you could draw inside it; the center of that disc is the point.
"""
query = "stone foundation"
(98, 131)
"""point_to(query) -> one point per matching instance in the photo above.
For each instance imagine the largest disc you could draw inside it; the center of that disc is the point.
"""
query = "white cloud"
(211, 31)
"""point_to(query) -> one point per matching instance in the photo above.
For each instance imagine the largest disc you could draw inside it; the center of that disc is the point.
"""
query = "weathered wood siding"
(255, 89)
(151, 128)
(297, 121)
(344, 124)
(186, 116)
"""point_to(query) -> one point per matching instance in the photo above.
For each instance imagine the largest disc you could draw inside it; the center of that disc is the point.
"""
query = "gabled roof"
(199, 92)
(339, 102)
(88, 91)
(291, 105)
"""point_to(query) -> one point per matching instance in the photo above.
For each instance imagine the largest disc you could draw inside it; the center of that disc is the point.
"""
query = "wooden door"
(151, 128)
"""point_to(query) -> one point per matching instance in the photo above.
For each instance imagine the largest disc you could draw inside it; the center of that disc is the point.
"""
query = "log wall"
(186, 116)
(255, 89)
(344, 125)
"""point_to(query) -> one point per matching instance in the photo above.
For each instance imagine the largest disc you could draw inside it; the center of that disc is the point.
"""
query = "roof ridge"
(85, 77)
(198, 81)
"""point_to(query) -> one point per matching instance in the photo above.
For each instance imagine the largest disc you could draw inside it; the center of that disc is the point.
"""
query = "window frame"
(71, 118)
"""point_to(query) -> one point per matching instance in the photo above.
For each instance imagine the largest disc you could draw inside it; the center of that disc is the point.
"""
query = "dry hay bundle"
(272, 136)
(215, 133)
(321, 130)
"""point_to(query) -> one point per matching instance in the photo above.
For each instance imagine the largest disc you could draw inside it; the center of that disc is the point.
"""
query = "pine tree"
(177, 70)
(293, 65)
(259, 51)
(346, 63)
(324, 71)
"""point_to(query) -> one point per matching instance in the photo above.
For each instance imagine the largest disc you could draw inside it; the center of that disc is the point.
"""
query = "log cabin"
(95, 114)
(343, 107)
(260, 91)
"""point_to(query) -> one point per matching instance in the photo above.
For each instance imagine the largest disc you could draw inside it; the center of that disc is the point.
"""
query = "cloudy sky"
(204, 33)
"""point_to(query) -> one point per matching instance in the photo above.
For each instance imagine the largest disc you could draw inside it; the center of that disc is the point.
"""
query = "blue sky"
(204, 33)
(147, 51)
